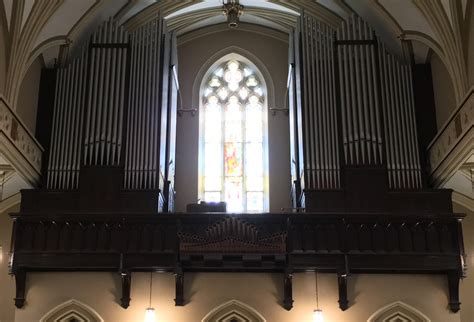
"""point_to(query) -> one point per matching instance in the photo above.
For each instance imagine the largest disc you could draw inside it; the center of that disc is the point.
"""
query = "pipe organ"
(351, 110)
(115, 106)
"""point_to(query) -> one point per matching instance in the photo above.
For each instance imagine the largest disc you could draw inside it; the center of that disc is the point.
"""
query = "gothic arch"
(72, 311)
(233, 311)
(398, 312)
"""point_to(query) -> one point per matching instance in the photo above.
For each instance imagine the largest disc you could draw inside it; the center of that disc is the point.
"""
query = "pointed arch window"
(233, 136)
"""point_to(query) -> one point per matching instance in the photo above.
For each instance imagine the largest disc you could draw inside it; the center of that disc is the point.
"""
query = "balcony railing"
(19, 144)
(453, 142)
(286, 243)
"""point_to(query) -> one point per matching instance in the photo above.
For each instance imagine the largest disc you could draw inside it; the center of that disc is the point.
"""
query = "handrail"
(453, 131)
(451, 117)
(23, 140)
(20, 121)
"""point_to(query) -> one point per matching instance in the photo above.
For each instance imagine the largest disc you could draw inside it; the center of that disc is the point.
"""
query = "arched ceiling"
(41, 27)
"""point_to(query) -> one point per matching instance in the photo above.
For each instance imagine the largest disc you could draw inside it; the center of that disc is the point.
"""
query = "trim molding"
(463, 200)
(10, 202)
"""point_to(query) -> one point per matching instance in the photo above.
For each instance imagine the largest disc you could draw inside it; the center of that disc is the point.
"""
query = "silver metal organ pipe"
(138, 109)
(405, 125)
(306, 137)
(110, 67)
(311, 107)
(347, 131)
(400, 121)
(353, 106)
(122, 72)
(367, 135)
(334, 123)
(115, 79)
(357, 93)
(386, 106)
(93, 107)
(63, 128)
(413, 126)
(52, 167)
(315, 105)
(345, 101)
(325, 107)
(70, 131)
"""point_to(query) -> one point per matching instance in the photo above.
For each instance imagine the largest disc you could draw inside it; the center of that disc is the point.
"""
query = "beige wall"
(470, 58)
(3, 58)
(193, 55)
(7, 282)
(445, 101)
(467, 284)
(28, 96)
(263, 292)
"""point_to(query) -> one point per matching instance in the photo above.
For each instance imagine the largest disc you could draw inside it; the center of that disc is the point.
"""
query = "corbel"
(288, 289)
(126, 285)
(453, 288)
(179, 279)
(20, 281)
(342, 277)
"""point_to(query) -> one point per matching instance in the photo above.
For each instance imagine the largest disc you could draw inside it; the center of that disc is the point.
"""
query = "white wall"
(445, 101)
(273, 53)
(470, 56)
(3, 58)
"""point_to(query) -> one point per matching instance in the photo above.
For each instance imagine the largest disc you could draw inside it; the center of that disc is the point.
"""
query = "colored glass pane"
(233, 137)
(233, 159)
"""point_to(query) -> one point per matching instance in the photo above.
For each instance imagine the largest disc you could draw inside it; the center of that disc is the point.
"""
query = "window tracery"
(233, 100)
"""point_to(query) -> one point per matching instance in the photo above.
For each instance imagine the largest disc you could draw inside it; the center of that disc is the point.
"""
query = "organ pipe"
(111, 106)
(357, 113)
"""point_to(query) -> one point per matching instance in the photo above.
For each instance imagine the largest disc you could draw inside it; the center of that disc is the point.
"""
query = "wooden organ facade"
(361, 205)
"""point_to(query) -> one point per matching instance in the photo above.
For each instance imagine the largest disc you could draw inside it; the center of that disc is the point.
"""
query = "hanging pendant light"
(232, 10)
(317, 313)
(150, 311)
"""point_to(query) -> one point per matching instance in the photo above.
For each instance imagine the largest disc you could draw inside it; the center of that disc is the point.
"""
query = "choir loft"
(236, 160)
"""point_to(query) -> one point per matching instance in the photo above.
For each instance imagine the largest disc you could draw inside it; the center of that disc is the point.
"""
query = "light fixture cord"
(151, 285)
(317, 297)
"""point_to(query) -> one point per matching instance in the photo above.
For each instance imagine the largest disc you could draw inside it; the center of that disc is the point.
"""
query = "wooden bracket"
(179, 276)
(20, 281)
(288, 290)
(126, 284)
(453, 285)
(342, 285)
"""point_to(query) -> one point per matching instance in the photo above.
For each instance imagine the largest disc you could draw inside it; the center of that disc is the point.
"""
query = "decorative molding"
(233, 306)
(10, 202)
(454, 143)
(232, 235)
(398, 306)
(69, 307)
(18, 144)
(463, 200)
(245, 27)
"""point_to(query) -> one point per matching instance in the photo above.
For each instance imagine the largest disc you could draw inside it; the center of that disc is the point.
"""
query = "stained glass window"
(233, 99)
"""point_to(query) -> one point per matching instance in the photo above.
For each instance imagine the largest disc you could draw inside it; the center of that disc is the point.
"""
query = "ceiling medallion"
(232, 9)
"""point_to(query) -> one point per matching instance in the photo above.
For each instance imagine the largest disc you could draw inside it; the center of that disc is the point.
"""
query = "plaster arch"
(72, 309)
(233, 311)
(398, 311)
